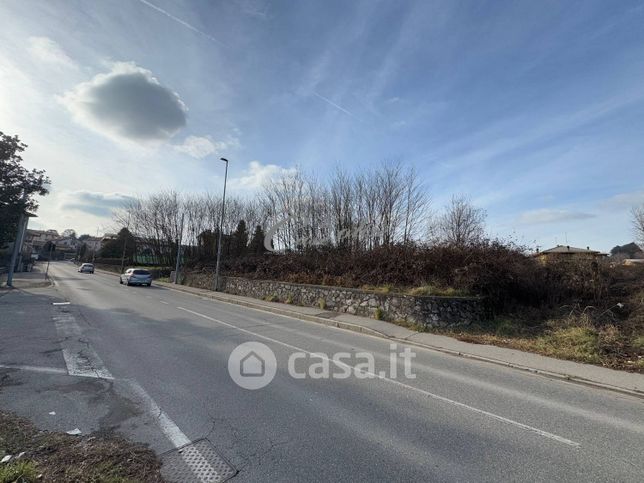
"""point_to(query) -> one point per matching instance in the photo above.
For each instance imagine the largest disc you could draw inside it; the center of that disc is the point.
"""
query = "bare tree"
(462, 223)
(637, 214)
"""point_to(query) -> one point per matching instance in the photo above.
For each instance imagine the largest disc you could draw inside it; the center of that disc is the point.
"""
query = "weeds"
(19, 471)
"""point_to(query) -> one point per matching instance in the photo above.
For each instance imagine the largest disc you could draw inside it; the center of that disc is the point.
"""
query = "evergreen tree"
(256, 246)
(239, 240)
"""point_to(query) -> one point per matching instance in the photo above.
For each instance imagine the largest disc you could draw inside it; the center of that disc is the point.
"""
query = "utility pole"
(94, 250)
(125, 243)
(221, 227)
(18, 241)
(176, 269)
(51, 247)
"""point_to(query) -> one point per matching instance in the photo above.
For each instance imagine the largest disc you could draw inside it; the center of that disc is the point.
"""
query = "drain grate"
(196, 462)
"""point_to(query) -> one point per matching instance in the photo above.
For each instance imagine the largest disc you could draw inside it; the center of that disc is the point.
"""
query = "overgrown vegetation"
(50, 456)
(374, 230)
(584, 310)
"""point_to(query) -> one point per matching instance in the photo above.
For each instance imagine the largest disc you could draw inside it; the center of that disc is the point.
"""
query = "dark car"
(136, 276)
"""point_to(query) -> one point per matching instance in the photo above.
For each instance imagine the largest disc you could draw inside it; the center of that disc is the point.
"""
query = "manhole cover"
(196, 462)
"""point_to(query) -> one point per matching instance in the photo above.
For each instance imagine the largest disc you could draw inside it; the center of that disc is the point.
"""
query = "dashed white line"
(164, 302)
(80, 358)
(461, 405)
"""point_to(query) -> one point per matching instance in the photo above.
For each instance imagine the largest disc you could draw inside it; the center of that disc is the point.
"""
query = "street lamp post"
(221, 227)
(125, 243)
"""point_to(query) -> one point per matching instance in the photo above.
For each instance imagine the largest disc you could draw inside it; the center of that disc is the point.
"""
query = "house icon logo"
(252, 365)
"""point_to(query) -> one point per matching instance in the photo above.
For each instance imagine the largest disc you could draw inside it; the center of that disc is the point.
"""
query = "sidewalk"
(33, 279)
(620, 381)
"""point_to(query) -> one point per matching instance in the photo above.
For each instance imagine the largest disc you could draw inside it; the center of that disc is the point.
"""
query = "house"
(93, 243)
(37, 239)
(566, 252)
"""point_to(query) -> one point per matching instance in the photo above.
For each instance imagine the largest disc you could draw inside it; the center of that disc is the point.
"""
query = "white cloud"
(552, 216)
(200, 147)
(257, 174)
(95, 203)
(47, 50)
(127, 103)
(624, 200)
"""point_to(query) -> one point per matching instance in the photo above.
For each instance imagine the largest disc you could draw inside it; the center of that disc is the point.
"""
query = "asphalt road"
(161, 358)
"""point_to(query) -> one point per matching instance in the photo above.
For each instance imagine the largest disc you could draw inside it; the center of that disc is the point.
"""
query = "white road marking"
(171, 430)
(164, 302)
(49, 370)
(80, 358)
(60, 303)
(461, 405)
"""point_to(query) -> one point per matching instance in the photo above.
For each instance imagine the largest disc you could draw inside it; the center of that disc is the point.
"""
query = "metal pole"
(125, 244)
(221, 227)
(176, 268)
(18, 241)
(16, 249)
(25, 222)
(51, 245)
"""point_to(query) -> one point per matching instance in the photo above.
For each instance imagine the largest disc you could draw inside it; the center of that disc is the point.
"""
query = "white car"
(136, 276)
(86, 268)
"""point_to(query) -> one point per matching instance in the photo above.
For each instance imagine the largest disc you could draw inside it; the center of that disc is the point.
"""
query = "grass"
(571, 337)
(19, 471)
(62, 457)
(271, 298)
(437, 291)
(381, 289)
(422, 291)
(322, 303)
(378, 314)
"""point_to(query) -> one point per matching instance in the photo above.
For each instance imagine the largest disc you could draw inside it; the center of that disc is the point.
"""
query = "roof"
(568, 249)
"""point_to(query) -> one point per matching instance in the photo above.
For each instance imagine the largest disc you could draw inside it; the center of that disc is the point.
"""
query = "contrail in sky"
(330, 102)
(182, 22)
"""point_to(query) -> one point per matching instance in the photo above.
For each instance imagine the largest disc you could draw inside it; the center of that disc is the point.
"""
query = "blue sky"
(533, 109)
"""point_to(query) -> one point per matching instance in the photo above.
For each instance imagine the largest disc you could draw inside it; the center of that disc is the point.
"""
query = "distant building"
(68, 244)
(566, 252)
(93, 243)
(37, 239)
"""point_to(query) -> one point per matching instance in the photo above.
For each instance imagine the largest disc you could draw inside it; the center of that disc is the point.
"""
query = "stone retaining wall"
(430, 311)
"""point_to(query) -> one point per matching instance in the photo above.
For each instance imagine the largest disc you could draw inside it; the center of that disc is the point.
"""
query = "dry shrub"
(501, 272)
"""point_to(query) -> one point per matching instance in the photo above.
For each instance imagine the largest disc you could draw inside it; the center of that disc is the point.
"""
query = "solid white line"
(48, 370)
(497, 417)
(170, 429)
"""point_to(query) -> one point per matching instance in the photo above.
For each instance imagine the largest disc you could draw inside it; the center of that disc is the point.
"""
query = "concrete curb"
(376, 333)
(21, 286)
